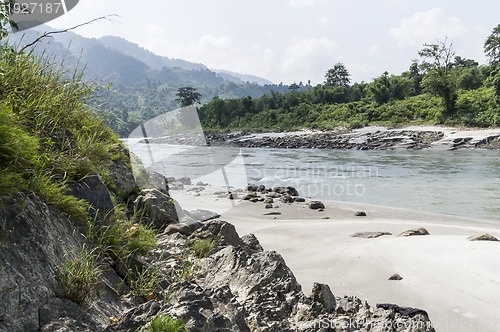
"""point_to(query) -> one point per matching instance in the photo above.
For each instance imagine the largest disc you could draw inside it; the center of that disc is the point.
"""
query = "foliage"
(49, 136)
(492, 47)
(337, 76)
(439, 78)
(187, 96)
(165, 323)
(79, 275)
(5, 22)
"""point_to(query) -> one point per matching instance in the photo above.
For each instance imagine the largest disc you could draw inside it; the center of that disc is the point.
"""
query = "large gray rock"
(93, 190)
(323, 296)
(482, 237)
(38, 239)
(123, 179)
(415, 232)
(156, 208)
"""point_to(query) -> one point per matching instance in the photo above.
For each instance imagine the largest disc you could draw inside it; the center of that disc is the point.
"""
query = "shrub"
(79, 275)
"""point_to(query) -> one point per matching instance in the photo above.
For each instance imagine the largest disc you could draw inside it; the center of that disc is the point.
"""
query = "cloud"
(301, 3)
(308, 58)
(323, 20)
(426, 27)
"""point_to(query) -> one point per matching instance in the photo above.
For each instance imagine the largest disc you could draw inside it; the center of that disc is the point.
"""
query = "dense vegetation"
(441, 88)
(48, 136)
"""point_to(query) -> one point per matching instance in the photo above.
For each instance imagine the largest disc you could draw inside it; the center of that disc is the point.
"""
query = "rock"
(300, 199)
(268, 200)
(273, 194)
(261, 188)
(269, 206)
(123, 179)
(360, 214)
(370, 235)
(316, 205)
(325, 218)
(395, 277)
(286, 199)
(159, 182)
(185, 181)
(232, 196)
(203, 215)
(322, 295)
(286, 190)
(156, 208)
(252, 188)
(252, 242)
(223, 233)
(182, 228)
(274, 213)
(201, 183)
(482, 237)
(65, 315)
(93, 190)
(414, 232)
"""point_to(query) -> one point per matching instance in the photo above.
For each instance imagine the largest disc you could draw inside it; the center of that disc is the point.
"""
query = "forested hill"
(134, 83)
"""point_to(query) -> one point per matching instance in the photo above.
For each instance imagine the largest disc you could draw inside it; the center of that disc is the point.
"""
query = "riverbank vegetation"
(439, 88)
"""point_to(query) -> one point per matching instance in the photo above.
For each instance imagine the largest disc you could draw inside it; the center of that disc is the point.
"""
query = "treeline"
(440, 88)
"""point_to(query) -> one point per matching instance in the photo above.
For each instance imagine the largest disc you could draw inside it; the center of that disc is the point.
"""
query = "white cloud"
(301, 3)
(426, 27)
(310, 58)
(323, 20)
(374, 50)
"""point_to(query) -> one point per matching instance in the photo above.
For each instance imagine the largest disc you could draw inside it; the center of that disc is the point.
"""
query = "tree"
(337, 76)
(492, 47)
(439, 78)
(187, 96)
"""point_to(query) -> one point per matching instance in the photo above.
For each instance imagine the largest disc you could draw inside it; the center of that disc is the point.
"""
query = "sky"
(293, 40)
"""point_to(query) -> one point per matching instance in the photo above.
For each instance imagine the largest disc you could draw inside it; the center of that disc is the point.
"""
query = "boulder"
(360, 214)
(482, 237)
(286, 190)
(123, 179)
(156, 208)
(395, 277)
(315, 205)
(93, 190)
(182, 228)
(415, 232)
(203, 215)
(323, 296)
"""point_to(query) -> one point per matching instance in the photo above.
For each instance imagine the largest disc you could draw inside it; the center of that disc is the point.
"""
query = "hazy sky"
(293, 40)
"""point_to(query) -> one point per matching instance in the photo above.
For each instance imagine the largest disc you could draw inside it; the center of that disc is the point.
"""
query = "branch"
(46, 34)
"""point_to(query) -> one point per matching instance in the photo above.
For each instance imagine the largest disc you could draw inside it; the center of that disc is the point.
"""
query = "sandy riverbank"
(456, 280)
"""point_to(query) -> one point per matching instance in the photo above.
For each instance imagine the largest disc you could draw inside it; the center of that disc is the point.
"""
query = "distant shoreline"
(366, 138)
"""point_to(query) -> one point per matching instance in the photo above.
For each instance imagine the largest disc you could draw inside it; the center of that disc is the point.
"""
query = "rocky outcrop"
(240, 287)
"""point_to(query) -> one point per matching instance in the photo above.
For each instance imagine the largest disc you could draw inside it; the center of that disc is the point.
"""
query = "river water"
(462, 182)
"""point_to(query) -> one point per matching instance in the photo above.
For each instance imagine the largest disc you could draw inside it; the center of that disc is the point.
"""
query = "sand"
(455, 280)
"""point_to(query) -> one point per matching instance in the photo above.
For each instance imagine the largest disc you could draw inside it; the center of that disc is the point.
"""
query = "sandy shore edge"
(456, 280)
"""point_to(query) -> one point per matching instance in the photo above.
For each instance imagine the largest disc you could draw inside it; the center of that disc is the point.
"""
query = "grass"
(80, 275)
(144, 283)
(203, 248)
(48, 136)
(166, 323)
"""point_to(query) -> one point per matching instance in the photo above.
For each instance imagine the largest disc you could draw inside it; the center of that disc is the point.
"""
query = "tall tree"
(337, 76)
(187, 96)
(439, 77)
(492, 47)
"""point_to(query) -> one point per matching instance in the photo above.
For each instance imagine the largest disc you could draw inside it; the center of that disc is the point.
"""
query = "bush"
(165, 323)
